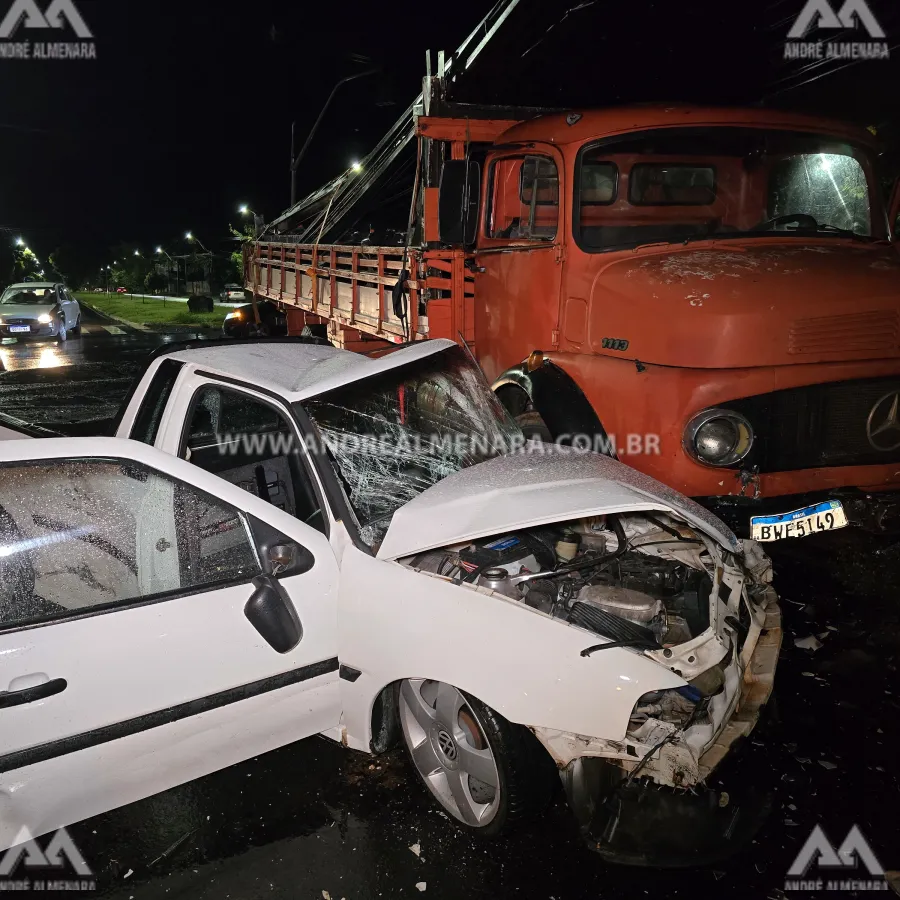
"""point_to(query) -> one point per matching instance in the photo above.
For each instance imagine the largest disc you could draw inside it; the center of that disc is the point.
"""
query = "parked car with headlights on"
(241, 322)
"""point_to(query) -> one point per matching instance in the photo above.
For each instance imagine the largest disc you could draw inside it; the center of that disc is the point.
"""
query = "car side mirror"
(458, 198)
(271, 613)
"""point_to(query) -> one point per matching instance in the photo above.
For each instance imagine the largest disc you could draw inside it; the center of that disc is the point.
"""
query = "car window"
(148, 418)
(523, 199)
(79, 536)
(252, 444)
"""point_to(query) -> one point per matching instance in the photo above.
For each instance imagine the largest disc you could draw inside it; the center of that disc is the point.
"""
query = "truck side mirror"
(458, 202)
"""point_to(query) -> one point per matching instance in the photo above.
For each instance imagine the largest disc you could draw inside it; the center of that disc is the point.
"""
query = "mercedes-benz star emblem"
(883, 424)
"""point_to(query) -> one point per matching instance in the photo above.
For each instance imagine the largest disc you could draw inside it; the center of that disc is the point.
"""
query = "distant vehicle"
(241, 323)
(99, 290)
(121, 290)
(39, 310)
(233, 292)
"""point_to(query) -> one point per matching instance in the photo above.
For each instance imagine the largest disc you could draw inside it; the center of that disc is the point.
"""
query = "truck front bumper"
(871, 510)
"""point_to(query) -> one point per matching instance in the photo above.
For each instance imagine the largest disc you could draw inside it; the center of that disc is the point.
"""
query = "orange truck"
(712, 295)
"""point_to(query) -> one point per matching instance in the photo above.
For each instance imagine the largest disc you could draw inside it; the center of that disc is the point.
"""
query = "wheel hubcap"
(449, 749)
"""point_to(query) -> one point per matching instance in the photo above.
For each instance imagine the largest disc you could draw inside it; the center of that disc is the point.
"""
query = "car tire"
(76, 328)
(62, 335)
(450, 735)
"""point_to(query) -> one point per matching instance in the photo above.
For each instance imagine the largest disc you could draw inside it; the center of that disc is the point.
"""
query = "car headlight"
(235, 315)
(718, 437)
(45, 318)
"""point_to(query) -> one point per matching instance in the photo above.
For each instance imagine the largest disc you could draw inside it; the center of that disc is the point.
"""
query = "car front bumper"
(35, 331)
(677, 822)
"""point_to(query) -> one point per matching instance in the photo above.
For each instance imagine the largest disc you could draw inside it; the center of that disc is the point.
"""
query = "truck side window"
(524, 199)
(251, 444)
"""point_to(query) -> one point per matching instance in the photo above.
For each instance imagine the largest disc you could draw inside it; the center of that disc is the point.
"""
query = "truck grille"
(823, 425)
(874, 332)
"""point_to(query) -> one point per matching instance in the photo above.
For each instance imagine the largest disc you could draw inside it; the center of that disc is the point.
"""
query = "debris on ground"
(416, 849)
(420, 885)
(827, 765)
(811, 642)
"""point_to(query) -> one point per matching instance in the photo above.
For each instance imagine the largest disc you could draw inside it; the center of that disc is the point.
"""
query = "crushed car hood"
(523, 490)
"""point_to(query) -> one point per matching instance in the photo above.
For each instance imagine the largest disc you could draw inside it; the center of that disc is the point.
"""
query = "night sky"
(187, 111)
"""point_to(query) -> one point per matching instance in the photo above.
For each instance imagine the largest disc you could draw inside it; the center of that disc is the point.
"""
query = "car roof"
(298, 371)
(34, 284)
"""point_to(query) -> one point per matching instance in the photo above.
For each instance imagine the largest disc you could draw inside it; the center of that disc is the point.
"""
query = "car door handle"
(272, 614)
(32, 694)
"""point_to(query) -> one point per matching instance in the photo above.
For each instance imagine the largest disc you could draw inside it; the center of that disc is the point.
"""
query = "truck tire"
(534, 427)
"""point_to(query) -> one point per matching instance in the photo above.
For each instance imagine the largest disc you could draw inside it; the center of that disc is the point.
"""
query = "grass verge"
(150, 311)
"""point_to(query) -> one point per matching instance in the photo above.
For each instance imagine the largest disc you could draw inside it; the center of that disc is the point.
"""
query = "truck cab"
(712, 295)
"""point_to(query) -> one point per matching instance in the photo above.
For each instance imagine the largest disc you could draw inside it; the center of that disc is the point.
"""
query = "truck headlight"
(718, 437)
(45, 318)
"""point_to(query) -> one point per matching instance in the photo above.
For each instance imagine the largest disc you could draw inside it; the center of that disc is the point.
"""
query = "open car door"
(156, 624)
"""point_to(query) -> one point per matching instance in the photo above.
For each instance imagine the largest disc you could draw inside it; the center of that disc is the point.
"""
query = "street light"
(190, 237)
(295, 160)
(137, 252)
(245, 210)
(161, 252)
(356, 166)
(20, 242)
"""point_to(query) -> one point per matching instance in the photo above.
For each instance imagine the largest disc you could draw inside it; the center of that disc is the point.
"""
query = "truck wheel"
(484, 771)
(534, 427)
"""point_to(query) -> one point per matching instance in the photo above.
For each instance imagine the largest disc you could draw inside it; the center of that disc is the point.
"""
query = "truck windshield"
(694, 183)
(391, 436)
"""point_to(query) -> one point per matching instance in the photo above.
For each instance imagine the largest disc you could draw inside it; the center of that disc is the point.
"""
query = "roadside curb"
(115, 319)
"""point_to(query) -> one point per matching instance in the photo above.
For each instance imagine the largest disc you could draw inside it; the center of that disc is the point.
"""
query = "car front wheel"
(62, 334)
(487, 773)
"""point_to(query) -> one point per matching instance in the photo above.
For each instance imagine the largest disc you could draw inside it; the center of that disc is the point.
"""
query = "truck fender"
(550, 391)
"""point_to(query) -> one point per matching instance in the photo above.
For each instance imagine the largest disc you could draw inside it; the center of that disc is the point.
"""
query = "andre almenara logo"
(25, 19)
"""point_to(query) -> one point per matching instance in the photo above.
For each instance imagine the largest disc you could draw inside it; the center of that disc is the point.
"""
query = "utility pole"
(295, 160)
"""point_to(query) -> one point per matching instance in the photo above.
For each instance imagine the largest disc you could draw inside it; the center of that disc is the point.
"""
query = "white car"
(234, 293)
(287, 540)
(39, 310)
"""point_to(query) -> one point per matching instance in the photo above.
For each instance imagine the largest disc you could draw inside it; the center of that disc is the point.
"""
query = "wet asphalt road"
(312, 817)
(76, 387)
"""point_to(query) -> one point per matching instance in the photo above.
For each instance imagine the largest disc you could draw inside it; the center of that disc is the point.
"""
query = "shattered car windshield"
(688, 184)
(395, 434)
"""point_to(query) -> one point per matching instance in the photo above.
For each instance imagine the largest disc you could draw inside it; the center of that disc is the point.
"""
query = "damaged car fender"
(396, 623)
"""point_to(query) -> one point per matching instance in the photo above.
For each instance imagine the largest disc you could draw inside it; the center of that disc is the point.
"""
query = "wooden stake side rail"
(351, 288)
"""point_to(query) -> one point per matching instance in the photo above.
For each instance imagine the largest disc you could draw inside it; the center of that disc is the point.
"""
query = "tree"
(70, 266)
(155, 281)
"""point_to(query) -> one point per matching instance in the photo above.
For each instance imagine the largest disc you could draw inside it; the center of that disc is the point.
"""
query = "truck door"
(520, 257)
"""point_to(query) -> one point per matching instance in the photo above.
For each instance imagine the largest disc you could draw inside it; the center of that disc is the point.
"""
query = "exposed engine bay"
(650, 582)
(593, 576)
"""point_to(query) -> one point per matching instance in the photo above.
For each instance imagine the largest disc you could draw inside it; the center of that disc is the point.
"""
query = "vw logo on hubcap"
(447, 745)
(883, 424)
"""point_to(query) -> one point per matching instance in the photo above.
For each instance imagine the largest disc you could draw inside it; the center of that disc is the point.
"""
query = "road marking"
(114, 329)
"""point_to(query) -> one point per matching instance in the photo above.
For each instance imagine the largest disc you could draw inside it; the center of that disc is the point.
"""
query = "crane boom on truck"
(710, 294)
